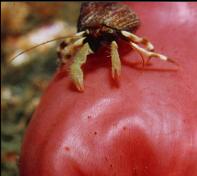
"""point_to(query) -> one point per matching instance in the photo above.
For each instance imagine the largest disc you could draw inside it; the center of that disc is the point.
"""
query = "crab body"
(103, 23)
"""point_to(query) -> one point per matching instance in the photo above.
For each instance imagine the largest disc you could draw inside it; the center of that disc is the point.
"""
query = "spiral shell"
(111, 14)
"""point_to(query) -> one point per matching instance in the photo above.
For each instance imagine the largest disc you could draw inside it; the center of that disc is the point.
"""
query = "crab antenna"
(77, 35)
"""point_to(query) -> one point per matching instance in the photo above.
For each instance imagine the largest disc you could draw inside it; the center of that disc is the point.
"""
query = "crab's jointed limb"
(148, 51)
(134, 38)
(150, 54)
(115, 61)
(79, 59)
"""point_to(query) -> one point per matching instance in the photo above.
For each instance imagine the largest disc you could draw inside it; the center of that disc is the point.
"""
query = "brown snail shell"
(114, 15)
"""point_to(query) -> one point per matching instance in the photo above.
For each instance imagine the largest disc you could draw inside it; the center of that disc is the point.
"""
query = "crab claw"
(76, 72)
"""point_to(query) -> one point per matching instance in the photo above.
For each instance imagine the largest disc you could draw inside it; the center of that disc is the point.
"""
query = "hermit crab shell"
(114, 15)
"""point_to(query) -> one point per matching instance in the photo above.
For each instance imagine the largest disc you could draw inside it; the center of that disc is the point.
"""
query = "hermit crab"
(103, 23)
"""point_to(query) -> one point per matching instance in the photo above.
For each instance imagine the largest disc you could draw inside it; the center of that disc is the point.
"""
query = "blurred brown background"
(23, 25)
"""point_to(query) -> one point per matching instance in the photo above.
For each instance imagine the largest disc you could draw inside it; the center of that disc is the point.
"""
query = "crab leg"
(115, 60)
(134, 38)
(76, 72)
(150, 54)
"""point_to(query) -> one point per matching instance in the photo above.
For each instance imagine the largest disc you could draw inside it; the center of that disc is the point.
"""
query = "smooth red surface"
(146, 126)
